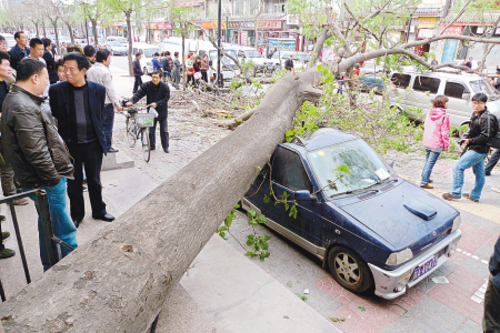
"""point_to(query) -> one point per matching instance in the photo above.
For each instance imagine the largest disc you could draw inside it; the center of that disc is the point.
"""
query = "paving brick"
(473, 238)
(477, 267)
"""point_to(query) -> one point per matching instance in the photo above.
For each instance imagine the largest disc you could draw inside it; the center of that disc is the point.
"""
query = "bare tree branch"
(460, 13)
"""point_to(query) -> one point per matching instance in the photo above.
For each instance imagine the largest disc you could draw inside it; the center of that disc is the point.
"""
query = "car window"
(401, 80)
(364, 165)
(253, 54)
(426, 84)
(148, 53)
(455, 89)
(287, 170)
(482, 86)
(241, 54)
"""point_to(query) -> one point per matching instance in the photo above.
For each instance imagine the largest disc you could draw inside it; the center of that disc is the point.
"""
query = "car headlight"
(397, 258)
(456, 223)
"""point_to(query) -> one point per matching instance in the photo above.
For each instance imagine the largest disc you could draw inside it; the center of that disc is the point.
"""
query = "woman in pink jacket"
(436, 136)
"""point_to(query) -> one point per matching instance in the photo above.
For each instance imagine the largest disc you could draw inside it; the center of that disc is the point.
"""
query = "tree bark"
(130, 41)
(322, 37)
(118, 281)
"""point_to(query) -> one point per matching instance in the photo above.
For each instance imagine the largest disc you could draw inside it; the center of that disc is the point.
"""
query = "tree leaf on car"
(293, 211)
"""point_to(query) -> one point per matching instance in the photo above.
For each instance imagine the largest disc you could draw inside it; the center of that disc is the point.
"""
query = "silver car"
(410, 90)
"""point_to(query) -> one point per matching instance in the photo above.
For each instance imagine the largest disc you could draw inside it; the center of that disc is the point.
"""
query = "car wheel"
(349, 270)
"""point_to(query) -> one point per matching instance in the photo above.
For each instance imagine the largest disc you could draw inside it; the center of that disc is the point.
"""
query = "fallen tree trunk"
(118, 282)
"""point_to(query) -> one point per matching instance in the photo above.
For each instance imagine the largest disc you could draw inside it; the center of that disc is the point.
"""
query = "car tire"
(349, 270)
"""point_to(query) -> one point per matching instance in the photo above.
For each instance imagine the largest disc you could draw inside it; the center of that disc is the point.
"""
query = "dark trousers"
(491, 319)
(163, 133)
(204, 76)
(492, 162)
(107, 123)
(137, 83)
(90, 155)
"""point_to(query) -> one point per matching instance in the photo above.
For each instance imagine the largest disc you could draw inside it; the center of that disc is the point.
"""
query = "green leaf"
(293, 211)
(249, 242)
(251, 237)
(266, 238)
(343, 168)
(223, 235)
(262, 219)
(337, 320)
(251, 213)
(250, 254)
(267, 198)
(361, 308)
(302, 297)
(265, 246)
(223, 228)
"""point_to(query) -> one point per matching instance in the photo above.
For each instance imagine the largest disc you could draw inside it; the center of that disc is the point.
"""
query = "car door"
(289, 176)
(425, 89)
(399, 94)
(459, 104)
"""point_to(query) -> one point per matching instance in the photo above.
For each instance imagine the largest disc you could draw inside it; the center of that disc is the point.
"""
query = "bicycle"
(137, 125)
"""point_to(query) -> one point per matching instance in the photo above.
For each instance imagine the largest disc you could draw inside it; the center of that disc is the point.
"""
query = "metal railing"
(52, 243)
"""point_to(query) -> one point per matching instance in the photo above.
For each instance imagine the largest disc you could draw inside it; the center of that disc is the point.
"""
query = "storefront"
(426, 26)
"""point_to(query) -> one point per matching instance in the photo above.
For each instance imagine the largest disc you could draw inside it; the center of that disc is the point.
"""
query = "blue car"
(372, 230)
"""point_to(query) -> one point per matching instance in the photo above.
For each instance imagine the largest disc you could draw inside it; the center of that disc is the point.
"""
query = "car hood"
(398, 213)
(260, 61)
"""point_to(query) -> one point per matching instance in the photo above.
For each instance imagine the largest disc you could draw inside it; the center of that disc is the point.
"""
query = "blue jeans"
(62, 224)
(431, 158)
(474, 160)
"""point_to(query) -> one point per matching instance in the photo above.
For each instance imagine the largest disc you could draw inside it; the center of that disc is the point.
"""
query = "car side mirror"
(466, 96)
(303, 196)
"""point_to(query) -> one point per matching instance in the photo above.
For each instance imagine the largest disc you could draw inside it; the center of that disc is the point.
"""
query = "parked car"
(278, 59)
(246, 54)
(117, 48)
(371, 228)
(458, 87)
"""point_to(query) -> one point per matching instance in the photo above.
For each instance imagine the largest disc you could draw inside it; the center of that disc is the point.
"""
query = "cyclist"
(157, 94)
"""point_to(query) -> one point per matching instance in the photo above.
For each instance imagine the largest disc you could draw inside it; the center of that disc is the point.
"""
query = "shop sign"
(426, 22)
(161, 26)
(234, 24)
(269, 24)
(212, 24)
(247, 25)
(453, 30)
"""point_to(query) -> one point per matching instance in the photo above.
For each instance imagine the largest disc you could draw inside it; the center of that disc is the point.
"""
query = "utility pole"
(219, 74)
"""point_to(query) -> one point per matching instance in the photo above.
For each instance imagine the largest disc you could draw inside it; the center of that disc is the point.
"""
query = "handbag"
(190, 71)
(197, 75)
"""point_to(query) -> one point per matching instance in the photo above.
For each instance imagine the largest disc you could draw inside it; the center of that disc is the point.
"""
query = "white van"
(174, 44)
(246, 53)
(147, 51)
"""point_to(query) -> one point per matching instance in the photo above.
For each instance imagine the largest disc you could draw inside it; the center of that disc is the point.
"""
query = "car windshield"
(225, 60)
(482, 86)
(148, 53)
(304, 56)
(364, 165)
(116, 44)
(253, 54)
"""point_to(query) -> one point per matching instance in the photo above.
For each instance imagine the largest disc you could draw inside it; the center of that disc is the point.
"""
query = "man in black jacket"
(482, 127)
(78, 105)
(20, 50)
(158, 94)
(289, 64)
(136, 66)
(32, 145)
(491, 319)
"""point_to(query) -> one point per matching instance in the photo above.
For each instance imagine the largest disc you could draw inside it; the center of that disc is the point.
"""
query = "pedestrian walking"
(492, 162)
(136, 66)
(170, 62)
(482, 128)
(156, 62)
(49, 60)
(20, 50)
(36, 50)
(289, 64)
(177, 69)
(78, 106)
(197, 70)
(190, 70)
(157, 95)
(434, 62)
(165, 66)
(205, 65)
(436, 136)
(491, 318)
(33, 147)
(90, 52)
(100, 73)
(64, 49)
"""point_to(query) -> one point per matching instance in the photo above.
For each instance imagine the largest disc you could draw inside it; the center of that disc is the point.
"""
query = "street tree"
(126, 8)
(183, 17)
(94, 11)
(71, 18)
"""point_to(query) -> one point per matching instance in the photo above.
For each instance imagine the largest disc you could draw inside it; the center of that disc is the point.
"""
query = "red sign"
(161, 26)
(453, 30)
(269, 24)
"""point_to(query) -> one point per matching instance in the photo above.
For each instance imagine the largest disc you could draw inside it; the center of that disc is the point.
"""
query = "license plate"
(269, 67)
(422, 269)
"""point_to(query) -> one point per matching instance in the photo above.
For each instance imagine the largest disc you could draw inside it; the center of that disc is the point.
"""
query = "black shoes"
(106, 217)
(112, 150)
(6, 253)
(166, 150)
(487, 173)
(77, 223)
(5, 235)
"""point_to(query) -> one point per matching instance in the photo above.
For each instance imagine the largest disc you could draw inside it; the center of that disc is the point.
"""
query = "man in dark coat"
(20, 50)
(136, 66)
(491, 319)
(49, 60)
(78, 105)
(158, 94)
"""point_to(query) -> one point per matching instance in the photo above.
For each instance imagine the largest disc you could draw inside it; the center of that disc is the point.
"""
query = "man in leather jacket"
(34, 148)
